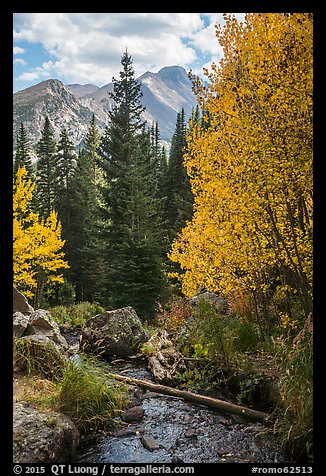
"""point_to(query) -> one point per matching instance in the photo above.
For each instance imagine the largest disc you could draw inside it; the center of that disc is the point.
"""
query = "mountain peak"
(54, 84)
(173, 73)
(71, 106)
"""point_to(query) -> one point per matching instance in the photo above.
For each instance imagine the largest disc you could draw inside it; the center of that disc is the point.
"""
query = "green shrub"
(74, 316)
(209, 331)
(246, 338)
(248, 387)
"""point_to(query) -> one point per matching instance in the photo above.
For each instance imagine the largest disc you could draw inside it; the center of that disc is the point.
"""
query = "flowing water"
(179, 432)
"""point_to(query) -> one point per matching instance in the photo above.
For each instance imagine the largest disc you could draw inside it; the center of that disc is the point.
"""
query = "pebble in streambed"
(184, 433)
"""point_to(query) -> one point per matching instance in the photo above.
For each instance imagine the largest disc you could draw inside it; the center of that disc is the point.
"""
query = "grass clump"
(294, 415)
(33, 358)
(88, 396)
(82, 391)
(74, 316)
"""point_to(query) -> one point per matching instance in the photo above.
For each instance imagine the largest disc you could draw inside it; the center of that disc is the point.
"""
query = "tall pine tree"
(65, 163)
(45, 170)
(90, 148)
(132, 254)
(179, 197)
(23, 153)
(86, 247)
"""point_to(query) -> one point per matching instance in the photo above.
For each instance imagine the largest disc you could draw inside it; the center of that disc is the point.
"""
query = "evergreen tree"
(90, 148)
(86, 248)
(23, 153)
(132, 254)
(155, 137)
(195, 115)
(163, 164)
(65, 163)
(45, 170)
(179, 197)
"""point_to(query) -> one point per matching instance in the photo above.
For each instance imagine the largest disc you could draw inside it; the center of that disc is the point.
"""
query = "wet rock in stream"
(187, 433)
(172, 430)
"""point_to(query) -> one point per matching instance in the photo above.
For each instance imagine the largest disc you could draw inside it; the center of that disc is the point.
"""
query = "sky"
(86, 48)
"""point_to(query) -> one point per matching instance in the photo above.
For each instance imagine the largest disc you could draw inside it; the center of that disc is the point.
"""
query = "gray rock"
(20, 323)
(138, 392)
(20, 303)
(114, 333)
(41, 323)
(133, 414)
(203, 294)
(150, 395)
(42, 437)
(127, 431)
(149, 442)
(42, 357)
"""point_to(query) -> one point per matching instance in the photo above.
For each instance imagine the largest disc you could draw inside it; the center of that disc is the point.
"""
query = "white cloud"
(19, 61)
(29, 76)
(44, 71)
(88, 47)
(17, 50)
(206, 41)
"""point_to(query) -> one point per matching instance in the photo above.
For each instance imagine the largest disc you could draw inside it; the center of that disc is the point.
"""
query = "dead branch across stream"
(214, 403)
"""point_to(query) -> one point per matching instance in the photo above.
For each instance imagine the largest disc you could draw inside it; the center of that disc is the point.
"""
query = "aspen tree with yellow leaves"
(37, 242)
(251, 169)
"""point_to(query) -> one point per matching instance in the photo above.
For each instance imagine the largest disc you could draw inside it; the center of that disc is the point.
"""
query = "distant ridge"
(71, 106)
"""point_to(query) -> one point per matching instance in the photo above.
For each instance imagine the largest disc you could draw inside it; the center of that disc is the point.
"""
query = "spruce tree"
(23, 153)
(86, 247)
(90, 148)
(179, 197)
(132, 254)
(65, 163)
(45, 170)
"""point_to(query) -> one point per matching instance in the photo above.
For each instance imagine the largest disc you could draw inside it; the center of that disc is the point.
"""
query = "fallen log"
(196, 398)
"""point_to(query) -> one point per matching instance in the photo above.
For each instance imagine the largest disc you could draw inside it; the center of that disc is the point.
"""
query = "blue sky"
(87, 47)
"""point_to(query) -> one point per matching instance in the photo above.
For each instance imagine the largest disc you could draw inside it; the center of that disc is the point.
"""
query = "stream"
(174, 431)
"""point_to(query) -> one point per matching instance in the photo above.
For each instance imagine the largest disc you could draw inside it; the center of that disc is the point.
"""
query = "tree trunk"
(214, 403)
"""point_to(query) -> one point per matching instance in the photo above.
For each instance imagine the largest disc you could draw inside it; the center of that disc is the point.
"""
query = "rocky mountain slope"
(71, 106)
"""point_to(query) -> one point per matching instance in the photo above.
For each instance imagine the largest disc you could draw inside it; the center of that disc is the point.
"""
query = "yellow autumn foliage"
(251, 168)
(37, 242)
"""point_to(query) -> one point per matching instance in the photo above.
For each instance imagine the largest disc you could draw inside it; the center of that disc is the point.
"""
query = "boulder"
(114, 333)
(133, 414)
(42, 437)
(41, 323)
(20, 323)
(37, 354)
(204, 294)
(20, 303)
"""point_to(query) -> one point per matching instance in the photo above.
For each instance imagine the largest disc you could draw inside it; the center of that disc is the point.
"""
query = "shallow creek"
(179, 432)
